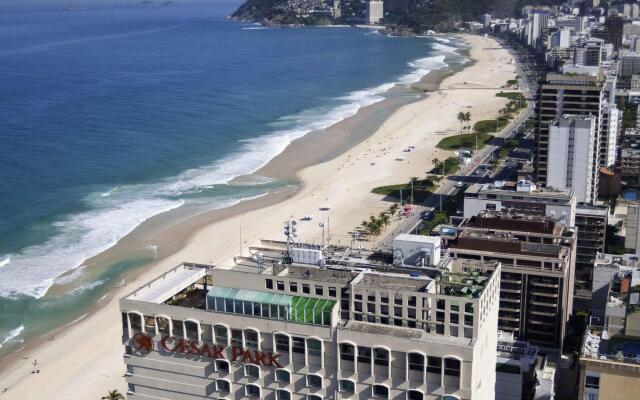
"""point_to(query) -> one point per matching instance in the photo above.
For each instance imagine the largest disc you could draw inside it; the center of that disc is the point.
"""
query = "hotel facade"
(344, 331)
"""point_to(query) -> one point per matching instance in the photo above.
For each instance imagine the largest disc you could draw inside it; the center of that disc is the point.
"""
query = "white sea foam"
(5, 261)
(32, 271)
(422, 67)
(444, 48)
(117, 212)
(254, 28)
(12, 335)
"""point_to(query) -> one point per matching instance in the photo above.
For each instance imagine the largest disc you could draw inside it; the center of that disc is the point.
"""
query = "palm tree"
(461, 118)
(467, 116)
(436, 163)
(384, 219)
(113, 395)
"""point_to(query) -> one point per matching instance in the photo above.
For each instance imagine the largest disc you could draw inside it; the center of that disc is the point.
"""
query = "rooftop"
(531, 190)
(598, 345)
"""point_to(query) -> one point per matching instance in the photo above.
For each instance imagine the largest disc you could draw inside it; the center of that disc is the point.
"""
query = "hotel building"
(537, 258)
(342, 328)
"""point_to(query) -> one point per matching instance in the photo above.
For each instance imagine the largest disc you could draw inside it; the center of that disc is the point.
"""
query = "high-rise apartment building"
(614, 26)
(570, 156)
(374, 12)
(580, 93)
(591, 222)
(537, 258)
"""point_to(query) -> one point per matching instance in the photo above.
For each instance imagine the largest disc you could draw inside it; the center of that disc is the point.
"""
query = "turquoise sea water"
(116, 113)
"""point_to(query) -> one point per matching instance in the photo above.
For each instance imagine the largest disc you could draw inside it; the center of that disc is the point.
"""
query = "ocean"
(115, 113)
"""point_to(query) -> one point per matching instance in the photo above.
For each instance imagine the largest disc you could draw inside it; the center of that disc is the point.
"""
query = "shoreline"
(317, 180)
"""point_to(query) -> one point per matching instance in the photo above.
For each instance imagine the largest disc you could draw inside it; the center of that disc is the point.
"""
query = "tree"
(113, 395)
(384, 219)
(461, 118)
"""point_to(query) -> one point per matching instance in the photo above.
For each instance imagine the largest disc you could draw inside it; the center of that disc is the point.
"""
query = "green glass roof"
(250, 295)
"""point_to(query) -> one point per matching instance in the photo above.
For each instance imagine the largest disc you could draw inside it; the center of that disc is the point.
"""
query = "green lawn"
(421, 190)
(467, 140)
(511, 95)
(489, 125)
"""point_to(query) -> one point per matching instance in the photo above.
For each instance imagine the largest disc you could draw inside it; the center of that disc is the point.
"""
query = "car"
(427, 215)
(459, 184)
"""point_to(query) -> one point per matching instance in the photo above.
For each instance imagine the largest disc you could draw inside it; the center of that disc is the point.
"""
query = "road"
(447, 186)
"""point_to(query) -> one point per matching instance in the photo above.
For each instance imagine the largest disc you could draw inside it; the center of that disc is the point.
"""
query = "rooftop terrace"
(599, 345)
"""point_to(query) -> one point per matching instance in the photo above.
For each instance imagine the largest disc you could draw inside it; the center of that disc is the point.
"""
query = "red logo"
(142, 343)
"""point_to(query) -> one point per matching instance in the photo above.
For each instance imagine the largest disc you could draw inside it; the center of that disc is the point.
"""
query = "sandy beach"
(84, 360)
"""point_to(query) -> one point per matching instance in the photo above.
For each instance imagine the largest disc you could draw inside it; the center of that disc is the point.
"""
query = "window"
(440, 304)
(371, 307)
(434, 365)
(491, 207)
(380, 392)
(347, 386)
(384, 300)
(223, 385)
(384, 310)
(314, 347)
(452, 367)
(357, 306)
(412, 301)
(269, 283)
(297, 345)
(251, 339)
(371, 298)
(416, 361)
(346, 352)
(282, 375)
(397, 301)
(358, 297)
(222, 365)
(453, 318)
(314, 397)
(222, 335)
(252, 391)
(319, 290)
(282, 343)
(314, 380)
(283, 394)
(252, 370)
(293, 287)
(364, 355)
(397, 311)
(280, 285)
(592, 382)
(332, 292)
(236, 337)
(414, 395)
(306, 288)
(381, 357)
(371, 318)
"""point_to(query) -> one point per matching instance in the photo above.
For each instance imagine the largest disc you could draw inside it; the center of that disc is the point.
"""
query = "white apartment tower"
(572, 140)
(375, 11)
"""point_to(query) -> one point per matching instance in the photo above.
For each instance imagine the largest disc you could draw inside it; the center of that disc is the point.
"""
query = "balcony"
(505, 290)
(536, 292)
(547, 284)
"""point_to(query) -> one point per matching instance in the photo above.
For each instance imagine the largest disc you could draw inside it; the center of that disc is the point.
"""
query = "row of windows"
(305, 288)
(346, 386)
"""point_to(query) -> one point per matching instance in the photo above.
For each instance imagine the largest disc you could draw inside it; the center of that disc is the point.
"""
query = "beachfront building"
(570, 156)
(537, 257)
(344, 330)
(632, 237)
(579, 91)
(523, 197)
(374, 12)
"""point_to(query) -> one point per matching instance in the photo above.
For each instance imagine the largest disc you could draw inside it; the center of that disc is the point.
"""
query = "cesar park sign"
(143, 344)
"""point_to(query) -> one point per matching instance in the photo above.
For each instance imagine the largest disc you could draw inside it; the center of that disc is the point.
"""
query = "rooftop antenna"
(260, 260)
(290, 231)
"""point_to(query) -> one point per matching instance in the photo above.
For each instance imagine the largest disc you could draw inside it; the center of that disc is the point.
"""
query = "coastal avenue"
(447, 187)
